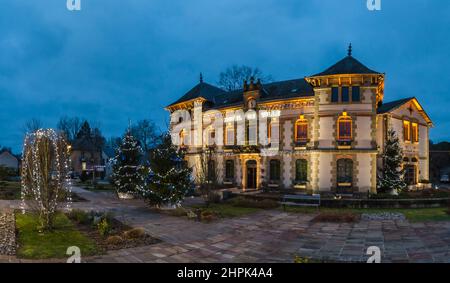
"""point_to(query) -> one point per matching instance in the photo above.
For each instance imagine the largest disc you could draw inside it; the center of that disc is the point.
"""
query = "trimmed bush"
(251, 203)
(79, 216)
(134, 233)
(207, 216)
(114, 240)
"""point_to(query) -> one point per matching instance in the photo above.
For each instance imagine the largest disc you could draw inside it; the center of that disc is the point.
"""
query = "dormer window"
(344, 127)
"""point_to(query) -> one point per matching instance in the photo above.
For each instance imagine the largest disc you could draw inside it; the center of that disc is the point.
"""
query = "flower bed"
(7, 233)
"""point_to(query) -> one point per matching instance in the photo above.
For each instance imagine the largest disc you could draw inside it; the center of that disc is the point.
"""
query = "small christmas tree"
(127, 170)
(169, 178)
(392, 175)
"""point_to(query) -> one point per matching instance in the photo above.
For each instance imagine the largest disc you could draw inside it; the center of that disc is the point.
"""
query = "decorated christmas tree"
(169, 178)
(391, 178)
(127, 170)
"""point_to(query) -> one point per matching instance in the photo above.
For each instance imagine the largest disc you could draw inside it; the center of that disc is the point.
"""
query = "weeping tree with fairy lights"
(45, 175)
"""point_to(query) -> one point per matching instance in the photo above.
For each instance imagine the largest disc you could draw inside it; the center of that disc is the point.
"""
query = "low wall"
(366, 203)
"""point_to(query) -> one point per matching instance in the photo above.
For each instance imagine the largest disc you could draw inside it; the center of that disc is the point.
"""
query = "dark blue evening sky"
(117, 60)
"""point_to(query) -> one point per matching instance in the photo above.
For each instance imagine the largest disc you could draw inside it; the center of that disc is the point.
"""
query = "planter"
(125, 195)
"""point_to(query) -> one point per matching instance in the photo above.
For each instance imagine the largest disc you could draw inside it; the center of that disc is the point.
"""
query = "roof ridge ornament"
(201, 77)
(349, 52)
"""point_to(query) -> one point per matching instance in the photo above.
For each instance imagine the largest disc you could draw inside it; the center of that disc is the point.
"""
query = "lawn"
(412, 214)
(104, 187)
(35, 245)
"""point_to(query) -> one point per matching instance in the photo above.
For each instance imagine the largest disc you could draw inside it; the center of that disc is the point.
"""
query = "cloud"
(118, 60)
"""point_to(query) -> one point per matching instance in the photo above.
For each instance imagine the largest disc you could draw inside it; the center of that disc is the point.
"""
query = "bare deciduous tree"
(32, 125)
(70, 126)
(207, 176)
(145, 131)
(233, 77)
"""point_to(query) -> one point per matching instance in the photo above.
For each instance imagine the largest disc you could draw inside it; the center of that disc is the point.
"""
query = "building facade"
(321, 133)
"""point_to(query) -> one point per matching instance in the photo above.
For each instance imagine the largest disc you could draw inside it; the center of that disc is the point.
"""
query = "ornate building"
(320, 133)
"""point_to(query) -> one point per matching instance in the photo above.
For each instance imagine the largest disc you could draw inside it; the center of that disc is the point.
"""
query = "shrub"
(213, 197)
(84, 177)
(336, 217)
(114, 240)
(251, 203)
(134, 233)
(299, 259)
(79, 216)
(104, 227)
(207, 216)
(178, 212)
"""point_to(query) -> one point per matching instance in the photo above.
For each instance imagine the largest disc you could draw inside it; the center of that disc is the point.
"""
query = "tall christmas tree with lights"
(169, 177)
(127, 170)
(392, 175)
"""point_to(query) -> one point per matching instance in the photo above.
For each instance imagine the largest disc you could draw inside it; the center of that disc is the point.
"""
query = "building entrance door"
(251, 174)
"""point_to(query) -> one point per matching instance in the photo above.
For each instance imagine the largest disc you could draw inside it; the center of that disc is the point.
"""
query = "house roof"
(84, 144)
(389, 106)
(392, 105)
(348, 65)
(205, 90)
(218, 98)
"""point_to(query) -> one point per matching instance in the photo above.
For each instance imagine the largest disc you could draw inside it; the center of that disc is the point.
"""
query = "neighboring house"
(86, 157)
(7, 159)
(328, 131)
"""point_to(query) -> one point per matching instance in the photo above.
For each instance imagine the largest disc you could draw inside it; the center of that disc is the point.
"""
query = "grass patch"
(412, 214)
(54, 244)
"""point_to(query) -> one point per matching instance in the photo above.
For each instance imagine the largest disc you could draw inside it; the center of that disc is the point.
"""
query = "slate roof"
(389, 106)
(348, 65)
(202, 89)
(218, 98)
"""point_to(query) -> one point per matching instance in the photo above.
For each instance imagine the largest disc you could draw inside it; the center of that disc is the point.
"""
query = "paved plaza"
(267, 236)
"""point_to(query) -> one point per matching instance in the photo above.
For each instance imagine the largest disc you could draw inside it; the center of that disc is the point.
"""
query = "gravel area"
(7, 233)
(383, 216)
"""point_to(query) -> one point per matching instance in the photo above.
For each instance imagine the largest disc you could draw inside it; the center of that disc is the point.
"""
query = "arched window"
(229, 169)
(182, 137)
(344, 127)
(345, 171)
(274, 170)
(301, 129)
(301, 170)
